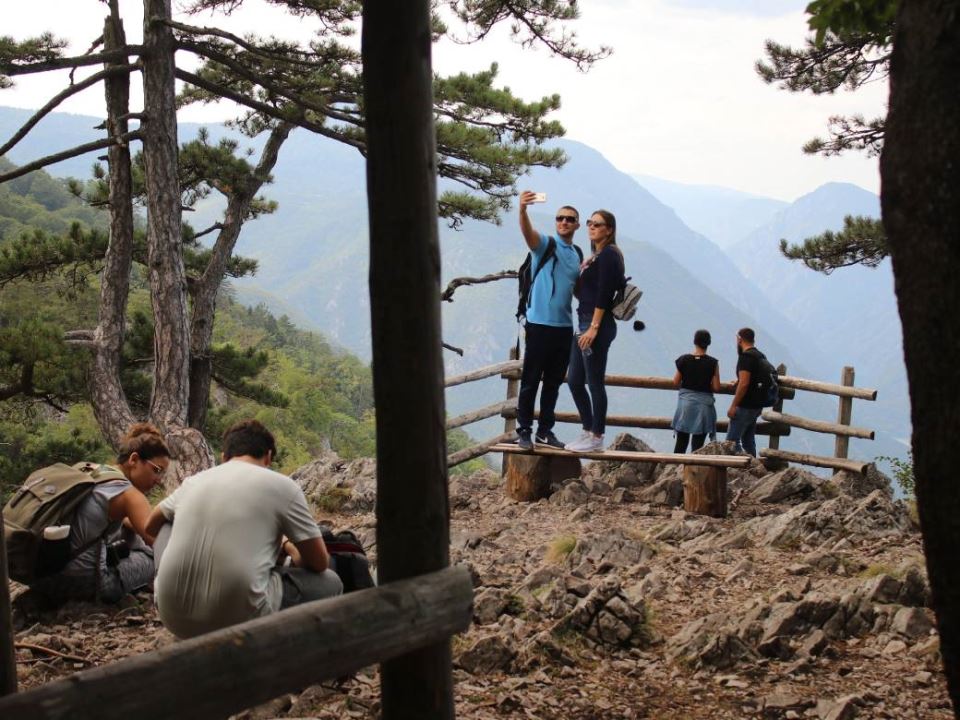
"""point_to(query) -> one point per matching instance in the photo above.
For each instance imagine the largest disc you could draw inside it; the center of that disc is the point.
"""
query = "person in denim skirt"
(601, 275)
(698, 378)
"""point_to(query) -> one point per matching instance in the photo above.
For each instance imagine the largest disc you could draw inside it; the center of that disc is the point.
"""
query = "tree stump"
(529, 477)
(705, 490)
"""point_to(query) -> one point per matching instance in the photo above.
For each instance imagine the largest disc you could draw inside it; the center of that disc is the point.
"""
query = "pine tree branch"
(863, 241)
(112, 56)
(447, 295)
(67, 154)
(59, 98)
(213, 228)
(458, 351)
(268, 110)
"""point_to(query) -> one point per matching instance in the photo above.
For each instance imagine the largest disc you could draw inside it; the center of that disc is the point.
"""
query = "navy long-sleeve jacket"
(600, 281)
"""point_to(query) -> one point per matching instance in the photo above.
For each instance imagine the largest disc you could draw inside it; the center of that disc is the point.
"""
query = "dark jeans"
(743, 429)
(589, 371)
(302, 586)
(545, 360)
(684, 438)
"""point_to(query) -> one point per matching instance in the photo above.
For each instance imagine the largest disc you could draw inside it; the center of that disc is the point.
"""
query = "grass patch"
(515, 605)
(878, 569)
(829, 489)
(332, 500)
(560, 548)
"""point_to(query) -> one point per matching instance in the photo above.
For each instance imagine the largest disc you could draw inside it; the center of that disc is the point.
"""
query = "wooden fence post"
(842, 443)
(778, 406)
(513, 389)
(8, 657)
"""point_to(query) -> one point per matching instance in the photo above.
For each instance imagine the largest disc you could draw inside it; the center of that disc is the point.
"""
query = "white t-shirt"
(227, 523)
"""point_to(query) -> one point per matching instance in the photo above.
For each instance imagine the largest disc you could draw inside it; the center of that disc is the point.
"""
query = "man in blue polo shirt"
(549, 326)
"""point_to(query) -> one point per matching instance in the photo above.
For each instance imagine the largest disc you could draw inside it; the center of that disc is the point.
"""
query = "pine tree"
(485, 138)
(849, 46)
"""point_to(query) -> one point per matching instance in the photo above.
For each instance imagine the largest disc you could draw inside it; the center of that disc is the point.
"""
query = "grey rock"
(858, 486)
(914, 590)
(792, 485)
(489, 604)
(489, 654)
(911, 622)
(573, 493)
(335, 485)
(628, 474)
(667, 490)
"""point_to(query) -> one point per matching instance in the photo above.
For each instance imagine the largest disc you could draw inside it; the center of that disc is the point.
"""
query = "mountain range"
(704, 256)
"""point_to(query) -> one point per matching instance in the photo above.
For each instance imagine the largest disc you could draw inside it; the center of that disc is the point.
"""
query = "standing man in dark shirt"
(747, 403)
(549, 325)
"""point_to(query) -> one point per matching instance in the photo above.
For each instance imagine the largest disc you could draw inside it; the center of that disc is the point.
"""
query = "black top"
(696, 371)
(750, 362)
(599, 281)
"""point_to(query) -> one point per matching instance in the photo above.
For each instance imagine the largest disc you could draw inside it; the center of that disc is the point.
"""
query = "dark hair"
(248, 437)
(610, 219)
(701, 338)
(143, 439)
(571, 207)
(746, 334)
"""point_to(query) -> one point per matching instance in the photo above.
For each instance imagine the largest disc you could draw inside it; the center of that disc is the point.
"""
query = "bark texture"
(920, 168)
(168, 285)
(412, 504)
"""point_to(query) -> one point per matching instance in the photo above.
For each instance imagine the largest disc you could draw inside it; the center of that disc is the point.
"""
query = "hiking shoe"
(581, 438)
(548, 439)
(588, 443)
(524, 442)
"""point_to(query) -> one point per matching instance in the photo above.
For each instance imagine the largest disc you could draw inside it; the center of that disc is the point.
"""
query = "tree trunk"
(920, 168)
(8, 654)
(168, 286)
(110, 406)
(705, 490)
(207, 287)
(413, 534)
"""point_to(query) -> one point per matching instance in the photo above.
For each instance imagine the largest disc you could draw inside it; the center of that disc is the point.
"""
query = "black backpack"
(768, 381)
(526, 278)
(348, 559)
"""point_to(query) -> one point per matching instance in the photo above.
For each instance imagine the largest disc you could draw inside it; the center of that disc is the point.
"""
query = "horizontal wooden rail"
(481, 414)
(484, 372)
(734, 461)
(651, 382)
(229, 670)
(855, 466)
(461, 456)
(789, 381)
(654, 423)
(818, 425)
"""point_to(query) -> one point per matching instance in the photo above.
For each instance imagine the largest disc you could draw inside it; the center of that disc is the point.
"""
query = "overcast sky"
(678, 99)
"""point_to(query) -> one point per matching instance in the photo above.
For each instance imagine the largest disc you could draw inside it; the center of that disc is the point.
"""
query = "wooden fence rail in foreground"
(215, 675)
(818, 425)
(828, 388)
(484, 372)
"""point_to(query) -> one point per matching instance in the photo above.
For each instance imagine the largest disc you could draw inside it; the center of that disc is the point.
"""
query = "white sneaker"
(589, 443)
(582, 438)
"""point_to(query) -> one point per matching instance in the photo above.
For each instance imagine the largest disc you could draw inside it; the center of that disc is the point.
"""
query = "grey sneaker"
(549, 439)
(524, 442)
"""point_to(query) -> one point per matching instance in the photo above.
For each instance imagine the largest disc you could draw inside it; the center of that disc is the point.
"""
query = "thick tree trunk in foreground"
(412, 504)
(109, 402)
(920, 168)
(168, 285)
(705, 490)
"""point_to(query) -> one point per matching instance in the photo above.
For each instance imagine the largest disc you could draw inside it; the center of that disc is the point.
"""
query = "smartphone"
(539, 197)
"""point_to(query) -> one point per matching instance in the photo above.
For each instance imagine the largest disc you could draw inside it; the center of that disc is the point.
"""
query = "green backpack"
(49, 498)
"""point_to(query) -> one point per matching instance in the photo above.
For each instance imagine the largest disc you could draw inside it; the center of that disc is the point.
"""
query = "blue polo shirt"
(552, 293)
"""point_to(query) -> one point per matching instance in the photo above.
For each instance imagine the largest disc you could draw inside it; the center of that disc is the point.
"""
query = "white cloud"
(678, 99)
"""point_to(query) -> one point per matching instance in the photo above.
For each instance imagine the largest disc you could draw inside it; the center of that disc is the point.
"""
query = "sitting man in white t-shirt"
(219, 566)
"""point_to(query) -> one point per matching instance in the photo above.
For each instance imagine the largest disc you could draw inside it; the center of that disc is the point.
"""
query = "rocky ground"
(608, 601)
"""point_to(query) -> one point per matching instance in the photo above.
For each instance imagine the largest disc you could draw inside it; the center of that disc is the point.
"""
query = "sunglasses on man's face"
(566, 218)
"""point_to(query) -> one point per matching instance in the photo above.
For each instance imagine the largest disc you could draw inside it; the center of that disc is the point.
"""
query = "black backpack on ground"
(348, 559)
(768, 380)
(526, 278)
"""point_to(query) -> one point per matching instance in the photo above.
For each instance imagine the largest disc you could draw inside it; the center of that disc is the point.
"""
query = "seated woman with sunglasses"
(108, 536)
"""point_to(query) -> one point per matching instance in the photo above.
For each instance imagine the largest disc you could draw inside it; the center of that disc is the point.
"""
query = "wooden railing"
(774, 422)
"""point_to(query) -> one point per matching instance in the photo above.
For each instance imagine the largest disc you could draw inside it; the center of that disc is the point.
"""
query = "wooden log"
(654, 423)
(8, 656)
(513, 390)
(481, 414)
(461, 456)
(665, 383)
(705, 490)
(226, 671)
(529, 477)
(841, 446)
(828, 388)
(854, 466)
(846, 431)
(737, 461)
(774, 441)
(484, 372)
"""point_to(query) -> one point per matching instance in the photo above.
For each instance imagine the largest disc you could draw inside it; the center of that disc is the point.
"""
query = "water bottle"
(587, 351)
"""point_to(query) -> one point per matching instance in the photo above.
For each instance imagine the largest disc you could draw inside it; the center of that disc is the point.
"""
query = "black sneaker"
(549, 439)
(523, 440)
